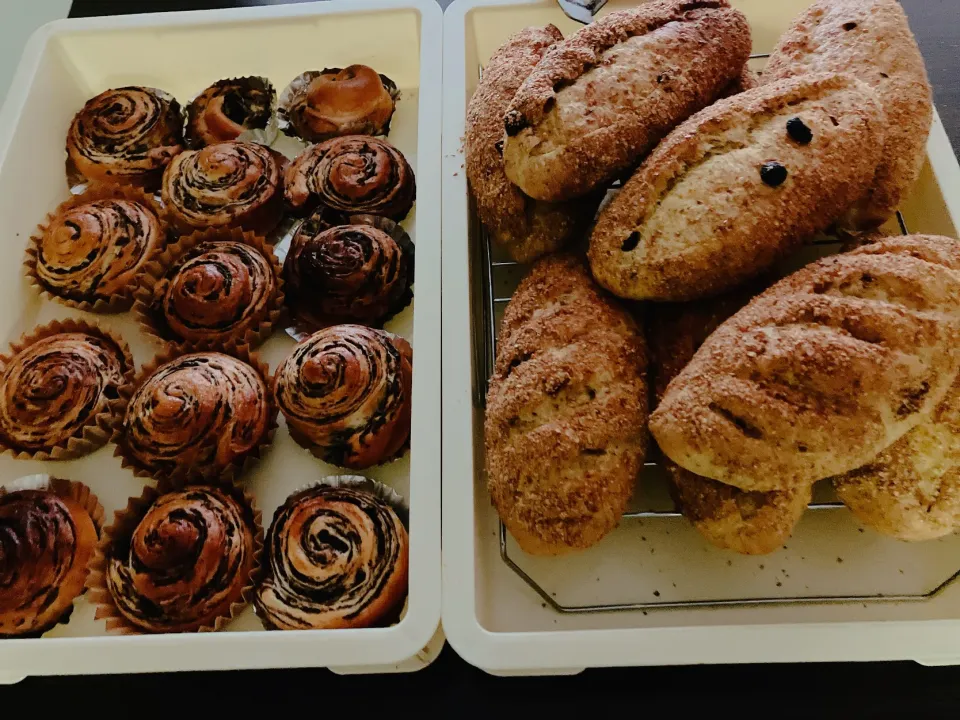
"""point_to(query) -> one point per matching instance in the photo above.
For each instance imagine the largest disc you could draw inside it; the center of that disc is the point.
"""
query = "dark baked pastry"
(345, 392)
(95, 252)
(197, 415)
(335, 558)
(353, 174)
(229, 108)
(226, 185)
(217, 291)
(355, 100)
(58, 391)
(186, 562)
(348, 273)
(125, 135)
(46, 543)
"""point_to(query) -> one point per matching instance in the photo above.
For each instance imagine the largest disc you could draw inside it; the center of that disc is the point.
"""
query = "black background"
(450, 687)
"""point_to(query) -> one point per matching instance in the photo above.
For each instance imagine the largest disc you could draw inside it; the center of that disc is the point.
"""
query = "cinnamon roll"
(355, 100)
(226, 185)
(47, 540)
(197, 415)
(345, 392)
(95, 252)
(125, 135)
(335, 558)
(59, 391)
(217, 291)
(227, 109)
(352, 174)
(185, 563)
(349, 273)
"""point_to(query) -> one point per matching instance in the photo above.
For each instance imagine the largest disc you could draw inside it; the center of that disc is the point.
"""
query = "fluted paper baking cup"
(116, 542)
(180, 476)
(96, 430)
(93, 192)
(70, 490)
(149, 305)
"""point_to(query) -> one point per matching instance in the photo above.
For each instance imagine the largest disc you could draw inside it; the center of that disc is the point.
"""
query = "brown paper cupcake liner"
(148, 309)
(181, 477)
(121, 530)
(98, 429)
(95, 191)
(80, 494)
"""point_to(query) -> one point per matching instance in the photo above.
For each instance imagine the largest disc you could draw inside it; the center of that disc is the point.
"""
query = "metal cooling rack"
(490, 302)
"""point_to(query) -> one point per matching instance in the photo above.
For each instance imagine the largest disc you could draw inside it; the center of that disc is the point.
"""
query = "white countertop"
(18, 20)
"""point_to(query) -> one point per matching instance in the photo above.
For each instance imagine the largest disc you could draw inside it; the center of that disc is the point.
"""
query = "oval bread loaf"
(823, 371)
(750, 523)
(871, 40)
(565, 425)
(604, 97)
(525, 227)
(911, 491)
(738, 186)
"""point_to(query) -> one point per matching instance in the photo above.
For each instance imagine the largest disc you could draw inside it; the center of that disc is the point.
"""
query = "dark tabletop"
(450, 687)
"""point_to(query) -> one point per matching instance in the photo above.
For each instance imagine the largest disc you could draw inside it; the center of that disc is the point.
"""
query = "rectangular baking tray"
(496, 621)
(70, 61)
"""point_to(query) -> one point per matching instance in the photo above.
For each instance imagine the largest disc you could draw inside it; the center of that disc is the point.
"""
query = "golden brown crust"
(566, 411)
(871, 40)
(911, 490)
(823, 371)
(525, 227)
(602, 98)
(705, 211)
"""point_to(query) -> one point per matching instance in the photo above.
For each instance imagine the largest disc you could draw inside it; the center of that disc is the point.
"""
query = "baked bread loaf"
(750, 523)
(525, 227)
(737, 186)
(871, 40)
(821, 372)
(566, 410)
(911, 490)
(604, 97)
(229, 108)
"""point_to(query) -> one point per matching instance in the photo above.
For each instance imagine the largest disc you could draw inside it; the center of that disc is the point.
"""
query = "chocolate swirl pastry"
(227, 109)
(126, 135)
(345, 392)
(186, 562)
(96, 251)
(336, 558)
(349, 273)
(217, 291)
(355, 100)
(46, 543)
(226, 185)
(196, 415)
(54, 388)
(353, 174)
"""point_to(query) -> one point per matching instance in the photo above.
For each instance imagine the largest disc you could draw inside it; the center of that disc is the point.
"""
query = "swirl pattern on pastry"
(216, 291)
(317, 106)
(345, 392)
(353, 174)
(55, 387)
(196, 415)
(46, 543)
(227, 109)
(128, 134)
(352, 273)
(186, 562)
(229, 184)
(336, 558)
(94, 251)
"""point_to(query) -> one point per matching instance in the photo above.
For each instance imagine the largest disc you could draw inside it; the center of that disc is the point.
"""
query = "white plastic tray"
(70, 61)
(495, 621)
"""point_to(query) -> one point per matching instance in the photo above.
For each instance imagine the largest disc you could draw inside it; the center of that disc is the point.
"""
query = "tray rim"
(367, 650)
(932, 642)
